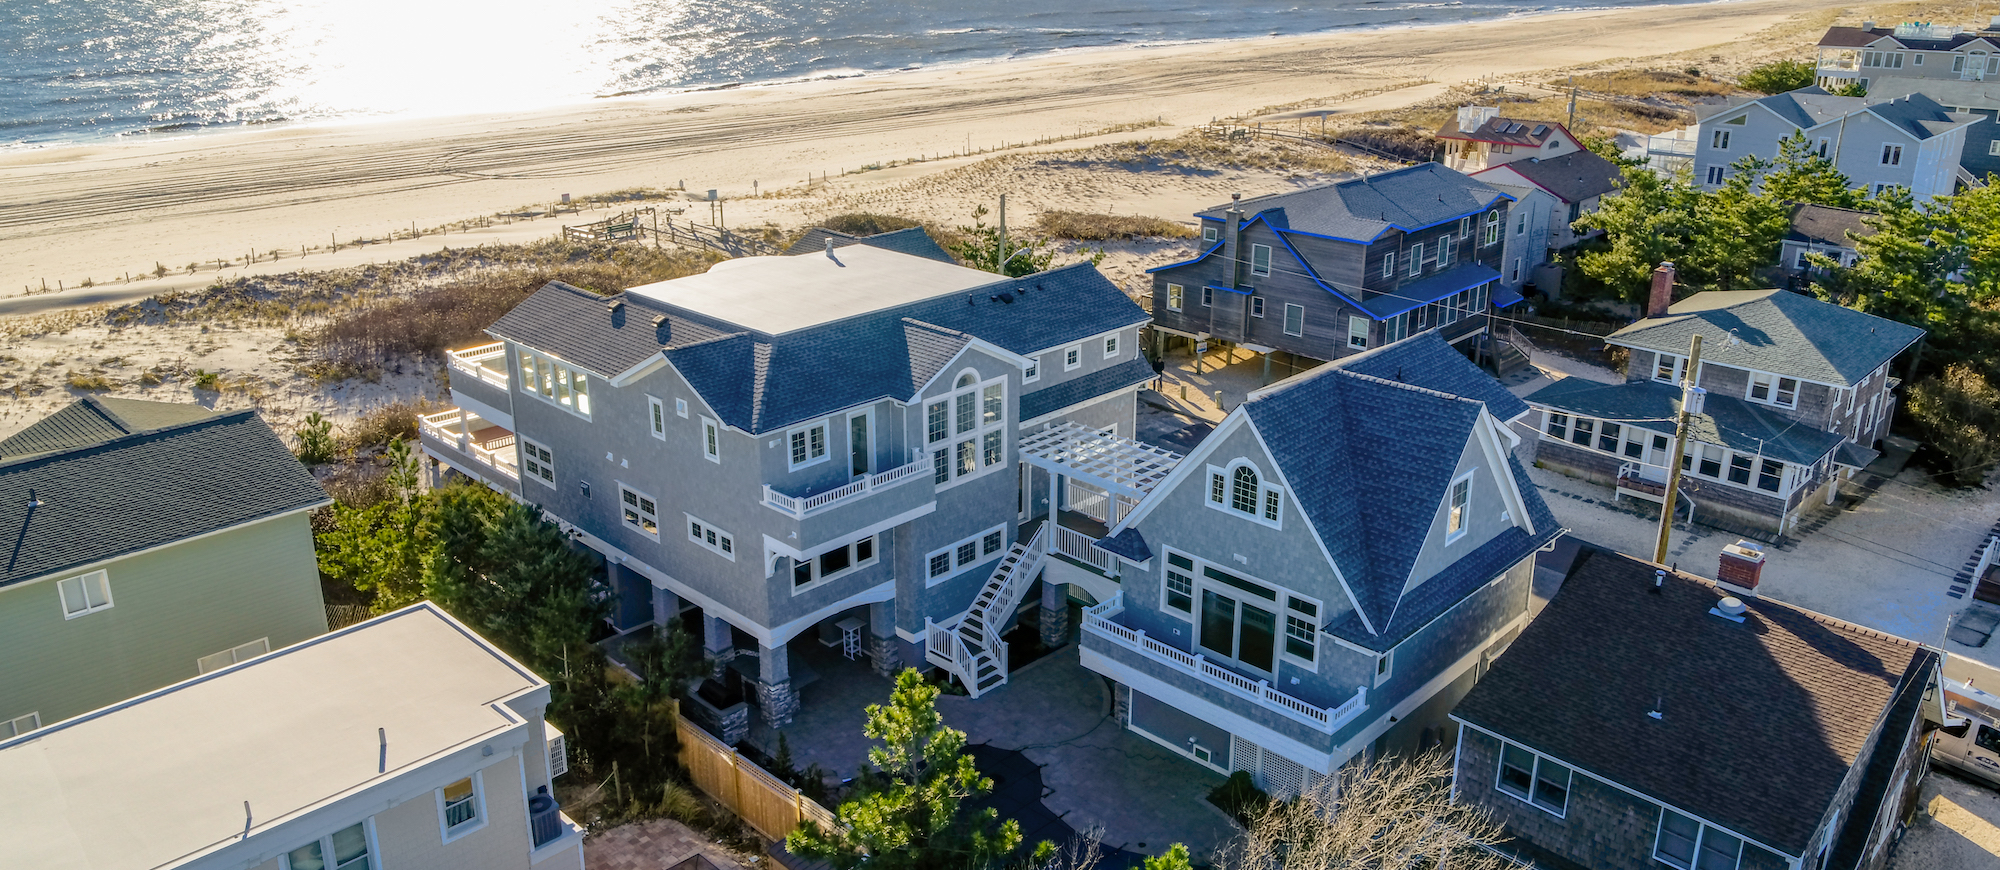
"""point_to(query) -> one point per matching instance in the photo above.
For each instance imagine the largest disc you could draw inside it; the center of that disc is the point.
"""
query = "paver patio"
(657, 844)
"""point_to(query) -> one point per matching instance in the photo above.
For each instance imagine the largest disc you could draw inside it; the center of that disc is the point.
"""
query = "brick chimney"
(1742, 566)
(1663, 291)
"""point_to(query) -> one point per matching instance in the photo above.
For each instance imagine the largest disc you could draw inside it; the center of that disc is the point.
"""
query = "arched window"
(1243, 490)
(966, 380)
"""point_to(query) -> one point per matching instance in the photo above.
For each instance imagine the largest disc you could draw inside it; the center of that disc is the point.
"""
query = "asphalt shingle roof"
(915, 241)
(1915, 114)
(1760, 721)
(1449, 282)
(1503, 131)
(1322, 427)
(1128, 544)
(1573, 177)
(1364, 208)
(95, 419)
(1427, 360)
(1855, 37)
(1776, 331)
(1825, 225)
(1734, 423)
(1049, 400)
(145, 489)
(759, 382)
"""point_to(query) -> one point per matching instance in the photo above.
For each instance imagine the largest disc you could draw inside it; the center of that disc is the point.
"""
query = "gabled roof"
(1573, 177)
(758, 382)
(1427, 360)
(94, 420)
(1049, 400)
(1504, 131)
(1412, 294)
(1775, 331)
(1826, 225)
(1732, 422)
(1362, 209)
(1759, 723)
(1915, 114)
(1322, 426)
(1856, 37)
(915, 241)
(131, 492)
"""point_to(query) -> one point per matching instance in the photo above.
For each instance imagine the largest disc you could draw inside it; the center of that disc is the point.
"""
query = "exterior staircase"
(970, 645)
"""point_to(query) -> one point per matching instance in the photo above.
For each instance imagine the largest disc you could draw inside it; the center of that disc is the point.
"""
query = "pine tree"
(1648, 221)
(1802, 175)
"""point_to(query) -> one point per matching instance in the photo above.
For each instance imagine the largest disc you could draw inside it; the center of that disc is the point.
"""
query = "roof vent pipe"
(1659, 580)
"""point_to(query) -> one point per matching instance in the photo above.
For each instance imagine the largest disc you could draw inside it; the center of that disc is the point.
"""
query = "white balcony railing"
(1072, 544)
(494, 453)
(802, 506)
(471, 359)
(1098, 620)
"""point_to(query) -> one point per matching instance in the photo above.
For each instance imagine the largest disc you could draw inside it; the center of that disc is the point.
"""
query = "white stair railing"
(970, 646)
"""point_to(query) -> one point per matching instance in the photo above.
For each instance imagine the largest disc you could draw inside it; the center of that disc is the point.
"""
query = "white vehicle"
(1970, 739)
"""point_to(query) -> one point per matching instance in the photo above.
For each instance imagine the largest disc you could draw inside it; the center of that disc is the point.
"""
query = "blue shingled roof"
(1128, 544)
(1362, 209)
(1739, 425)
(1441, 285)
(1427, 360)
(1078, 390)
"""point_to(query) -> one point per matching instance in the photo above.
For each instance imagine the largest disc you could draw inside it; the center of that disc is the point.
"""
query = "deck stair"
(970, 645)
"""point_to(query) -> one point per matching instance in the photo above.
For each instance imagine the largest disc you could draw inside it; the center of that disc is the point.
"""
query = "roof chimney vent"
(1867, 25)
(613, 305)
(1659, 580)
(34, 501)
(1662, 296)
(1741, 567)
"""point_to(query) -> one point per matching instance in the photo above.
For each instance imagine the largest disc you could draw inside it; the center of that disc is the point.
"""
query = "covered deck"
(472, 445)
(1097, 478)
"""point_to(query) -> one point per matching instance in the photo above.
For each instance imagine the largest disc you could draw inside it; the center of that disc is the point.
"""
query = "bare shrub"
(1087, 227)
(867, 224)
(396, 421)
(1393, 813)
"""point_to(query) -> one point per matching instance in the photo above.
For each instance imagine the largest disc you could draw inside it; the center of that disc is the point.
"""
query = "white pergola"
(1119, 466)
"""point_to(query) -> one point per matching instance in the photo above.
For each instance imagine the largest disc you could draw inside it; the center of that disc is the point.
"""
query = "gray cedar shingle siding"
(1776, 331)
(1760, 721)
(145, 490)
(1362, 209)
(1076, 391)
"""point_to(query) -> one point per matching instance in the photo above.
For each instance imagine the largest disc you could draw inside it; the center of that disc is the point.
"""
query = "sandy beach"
(99, 212)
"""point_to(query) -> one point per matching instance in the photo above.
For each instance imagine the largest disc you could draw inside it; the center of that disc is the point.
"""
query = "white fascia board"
(652, 364)
(1279, 469)
(773, 545)
(1098, 337)
(1429, 689)
(1195, 459)
(952, 365)
(1317, 760)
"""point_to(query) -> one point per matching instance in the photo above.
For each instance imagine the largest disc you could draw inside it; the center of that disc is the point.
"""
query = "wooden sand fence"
(769, 805)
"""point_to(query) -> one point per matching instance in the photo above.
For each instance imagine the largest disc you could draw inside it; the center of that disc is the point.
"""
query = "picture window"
(85, 594)
(555, 382)
(681, 408)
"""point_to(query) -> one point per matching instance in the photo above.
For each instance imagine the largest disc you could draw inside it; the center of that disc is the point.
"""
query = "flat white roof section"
(161, 779)
(776, 295)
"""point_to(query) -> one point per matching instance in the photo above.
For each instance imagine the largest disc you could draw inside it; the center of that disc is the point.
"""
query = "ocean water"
(81, 70)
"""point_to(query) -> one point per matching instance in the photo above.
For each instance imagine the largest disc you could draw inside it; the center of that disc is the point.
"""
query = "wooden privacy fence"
(764, 801)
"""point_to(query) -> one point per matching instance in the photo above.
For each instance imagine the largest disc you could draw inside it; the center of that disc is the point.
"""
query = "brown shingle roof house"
(1648, 718)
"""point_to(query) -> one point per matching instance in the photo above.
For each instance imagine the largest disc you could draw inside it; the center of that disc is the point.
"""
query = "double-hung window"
(1534, 779)
(711, 440)
(1892, 155)
(1357, 332)
(1719, 141)
(459, 808)
(1242, 490)
(1256, 306)
(1301, 628)
(1175, 294)
(710, 538)
(1207, 296)
(1458, 515)
(965, 430)
(1770, 475)
(1260, 259)
(1465, 227)
(345, 849)
(639, 511)
(1416, 259)
(1444, 251)
(1556, 425)
(1715, 174)
(1180, 583)
(1690, 845)
(85, 594)
(1740, 467)
(1668, 369)
(1295, 319)
(537, 462)
(1389, 264)
(807, 445)
(656, 412)
(947, 562)
(1774, 390)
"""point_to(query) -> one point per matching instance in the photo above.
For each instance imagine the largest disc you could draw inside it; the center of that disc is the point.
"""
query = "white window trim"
(689, 521)
(1033, 371)
(642, 496)
(1701, 833)
(853, 564)
(1352, 336)
(1416, 263)
(711, 428)
(825, 444)
(1288, 318)
(658, 419)
(1176, 296)
(1385, 667)
(1266, 251)
(1111, 347)
(523, 459)
(950, 551)
(237, 654)
(103, 581)
(1679, 368)
(681, 408)
(1452, 535)
(22, 724)
(563, 397)
(1770, 383)
(1266, 487)
(948, 446)
(1389, 265)
(478, 806)
(1281, 608)
(1256, 306)
(1190, 572)
(326, 845)
(1210, 233)
(1534, 777)
(1074, 351)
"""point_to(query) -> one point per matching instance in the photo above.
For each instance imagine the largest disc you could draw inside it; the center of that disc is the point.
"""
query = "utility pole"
(1572, 105)
(1002, 269)
(1690, 396)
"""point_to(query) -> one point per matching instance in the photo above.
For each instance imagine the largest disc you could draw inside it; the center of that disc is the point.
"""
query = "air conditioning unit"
(558, 752)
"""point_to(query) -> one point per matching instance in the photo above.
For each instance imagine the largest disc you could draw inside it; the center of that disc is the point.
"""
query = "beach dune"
(102, 210)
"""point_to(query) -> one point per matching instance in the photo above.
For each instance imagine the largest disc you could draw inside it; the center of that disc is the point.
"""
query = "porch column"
(883, 652)
(1055, 613)
(775, 695)
(666, 609)
(1267, 368)
(717, 643)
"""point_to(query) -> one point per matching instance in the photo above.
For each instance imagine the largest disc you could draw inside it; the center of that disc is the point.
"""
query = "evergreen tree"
(1802, 175)
(1647, 222)
(983, 247)
(1778, 77)
(1736, 229)
(907, 812)
(382, 548)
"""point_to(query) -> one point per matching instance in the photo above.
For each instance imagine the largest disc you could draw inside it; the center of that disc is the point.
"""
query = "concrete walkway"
(1958, 826)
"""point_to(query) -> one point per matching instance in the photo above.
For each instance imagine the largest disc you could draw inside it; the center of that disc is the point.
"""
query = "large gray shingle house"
(792, 442)
(1649, 718)
(1326, 573)
(1329, 271)
(1798, 391)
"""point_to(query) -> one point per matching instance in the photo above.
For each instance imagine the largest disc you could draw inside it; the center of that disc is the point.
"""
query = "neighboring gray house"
(1823, 230)
(1652, 718)
(1550, 194)
(790, 443)
(1329, 271)
(1909, 141)
(1797, 392)
(1958, 67)
(1328, 572)
(148, 543)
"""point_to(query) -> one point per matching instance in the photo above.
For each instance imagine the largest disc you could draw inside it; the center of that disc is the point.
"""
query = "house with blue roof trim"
(860, 445)
(1333, 270)
(1326, 574)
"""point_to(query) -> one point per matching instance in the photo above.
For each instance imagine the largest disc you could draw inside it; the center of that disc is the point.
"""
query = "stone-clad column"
(666, 610)
(883, 651)
(1055, 614)
(775, 695)
(717, 643)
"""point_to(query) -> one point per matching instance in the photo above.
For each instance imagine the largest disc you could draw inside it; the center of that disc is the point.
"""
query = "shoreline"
(199, 132)
(100, 211)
